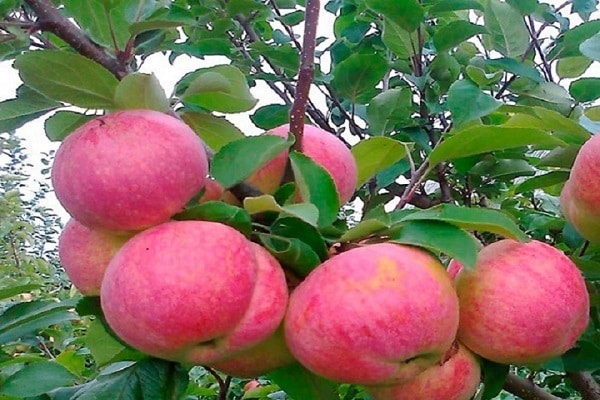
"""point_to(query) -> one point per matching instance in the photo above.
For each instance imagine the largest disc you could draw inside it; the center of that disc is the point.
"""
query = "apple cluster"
(383, 315)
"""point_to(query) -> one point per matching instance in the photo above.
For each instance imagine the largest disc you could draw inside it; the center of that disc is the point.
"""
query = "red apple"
(128, 170)
(456, 378)
(85, 253)
(323, 148)
(523, 303)
(196, 292)
(374, 315)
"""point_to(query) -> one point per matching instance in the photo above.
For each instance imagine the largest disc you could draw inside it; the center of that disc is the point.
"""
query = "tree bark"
(526, 389)
(585, 384)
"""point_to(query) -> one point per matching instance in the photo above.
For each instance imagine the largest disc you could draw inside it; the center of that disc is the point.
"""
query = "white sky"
(33, 132)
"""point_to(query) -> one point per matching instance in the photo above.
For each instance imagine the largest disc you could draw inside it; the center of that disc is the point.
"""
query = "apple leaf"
(455, 5)
(105, 348)
(376, 154)
(542, 181)
(471, 218)
(302, 384)
(292, 253)
(508, 33)
(218, 211)
(585, 89)
(408, 14)
(221, 88)
(306, 212)
(62, 123)
(494, 376)
(467, 102)
(455, 33)
(245, 156)
(316, 186)
(296, 228)
(439, 237)
(68, 77)
(215, 131)
(36, 379)
(356, 76)
(483, 139)
(141, 91)
(27, 106)
(364, 229)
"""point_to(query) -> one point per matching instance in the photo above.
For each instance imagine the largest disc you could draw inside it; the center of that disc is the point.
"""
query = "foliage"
(467, 113)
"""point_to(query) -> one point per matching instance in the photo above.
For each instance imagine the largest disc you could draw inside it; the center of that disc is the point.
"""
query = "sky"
(168, 75)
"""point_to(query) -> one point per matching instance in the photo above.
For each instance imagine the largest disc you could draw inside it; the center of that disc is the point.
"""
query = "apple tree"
(423, 135)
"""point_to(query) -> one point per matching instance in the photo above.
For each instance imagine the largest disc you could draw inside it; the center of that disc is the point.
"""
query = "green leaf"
(301, 384)
(591, 48)
(561, 157)
(494, 376)
(218, 211)
(408, 14)
(291, 227)
(584, 8)
(215, 131)
(568, 43)
(389, 108)
(398, 40)
(376, 154)
(62, 123)
(482, 78)
(455, 5)
(364, 229)
(506, 27)
(24, 319)
(284, 56)
(107, 26)
(149, 379)
(36, 379)
(356, 77)
(291, 252)
(542, 181)
(271, 116)
(572, 67)
(517, 68)
(305, 211)
(105, 348)
(221, 88)
(27, 106)
(141, 91)
(483, 139)
(525, 7)
(439, 237)
(467, 102)
(456, 32)
(65, 76)
(316, 186)
(589, 268)
(585, 89)
(474, 219)
(8, 292)
(246, 156)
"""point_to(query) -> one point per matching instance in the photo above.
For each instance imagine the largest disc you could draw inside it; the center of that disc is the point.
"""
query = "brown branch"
(51, 20)
(526, 389)
(413, 184)
(305, 75)
(585, 384)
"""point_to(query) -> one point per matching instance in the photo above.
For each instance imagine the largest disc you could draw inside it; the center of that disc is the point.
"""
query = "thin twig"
(526, 389)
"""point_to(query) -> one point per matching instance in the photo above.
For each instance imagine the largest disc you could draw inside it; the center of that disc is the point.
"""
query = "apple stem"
(306, 72)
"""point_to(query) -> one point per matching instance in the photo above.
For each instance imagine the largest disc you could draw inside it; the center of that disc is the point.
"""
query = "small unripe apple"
(195, 292)
(374, 315)
(523, 303)
(324, 149)
(456, 378)
(85, 253)
(128, 170)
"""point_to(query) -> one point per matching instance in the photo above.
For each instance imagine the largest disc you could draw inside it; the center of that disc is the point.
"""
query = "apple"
(374, 315)
(454, 267)
(324, 149)
(456, 378)
(213, 191)
(85, 253)
(523, 303)
(195, 292)
(128, 170)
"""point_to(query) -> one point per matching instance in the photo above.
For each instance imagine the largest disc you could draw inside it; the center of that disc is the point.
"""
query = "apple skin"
(191, 291)
(523, 303)
(374, 315)
(454, 268)
(323, 148)
(584, 217)
(455, 379)
(213, 191)
(85, 253)
(128, 170)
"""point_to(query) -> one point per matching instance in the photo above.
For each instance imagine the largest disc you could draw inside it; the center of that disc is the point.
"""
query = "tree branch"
(51, 20)
(585, 384)
(305, 75)
(526, 389)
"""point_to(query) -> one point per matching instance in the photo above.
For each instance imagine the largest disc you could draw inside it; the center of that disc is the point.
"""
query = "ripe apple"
(128, 170)
(374, 315)
(323, 148)
(195, 292)
(523, 303)
(456, 378)
(213, 191)
(85, 253)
